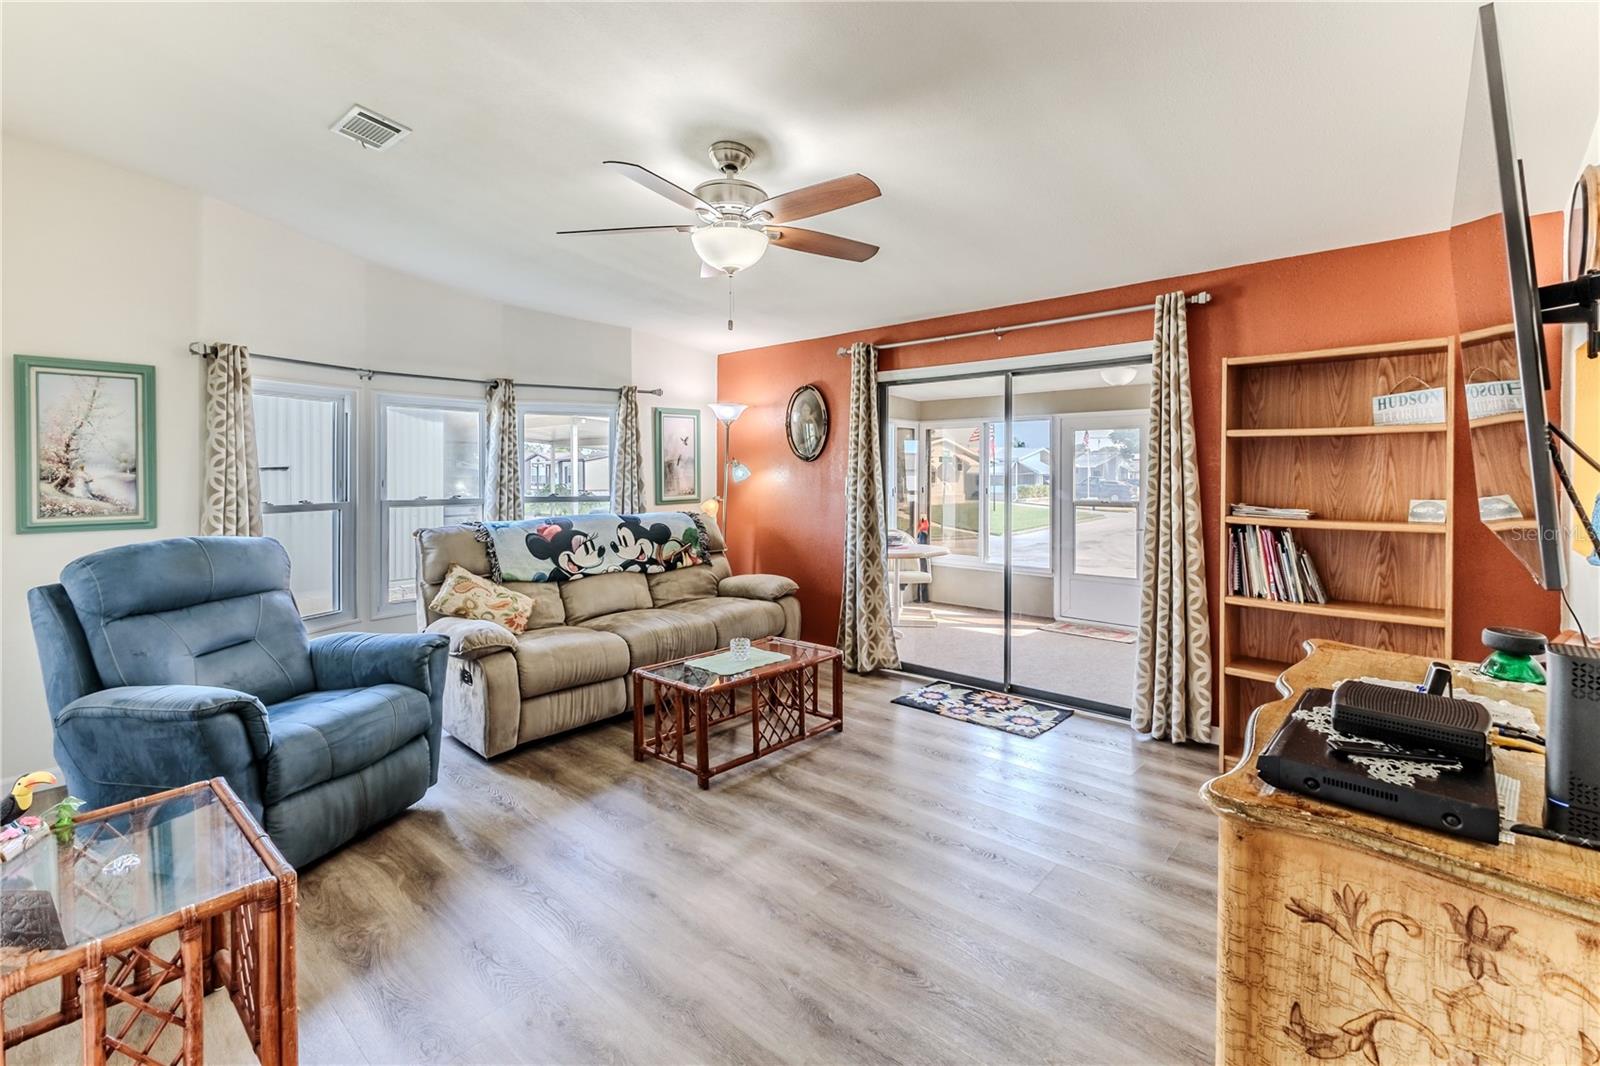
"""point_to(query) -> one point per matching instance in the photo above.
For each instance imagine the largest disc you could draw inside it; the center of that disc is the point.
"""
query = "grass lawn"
(964, 517)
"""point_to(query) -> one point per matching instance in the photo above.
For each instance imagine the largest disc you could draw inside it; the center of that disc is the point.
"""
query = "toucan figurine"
(16, 805)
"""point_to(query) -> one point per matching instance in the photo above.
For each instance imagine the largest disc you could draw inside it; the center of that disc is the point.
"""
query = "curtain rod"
(1001, 331)
(207, 351)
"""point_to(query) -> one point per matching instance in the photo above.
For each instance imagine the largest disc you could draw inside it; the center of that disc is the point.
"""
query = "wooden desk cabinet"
(1347, 937)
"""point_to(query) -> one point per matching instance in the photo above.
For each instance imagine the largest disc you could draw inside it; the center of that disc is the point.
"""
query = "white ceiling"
(1024, 151)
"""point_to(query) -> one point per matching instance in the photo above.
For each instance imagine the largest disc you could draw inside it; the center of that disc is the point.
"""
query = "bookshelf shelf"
(1256, 669)
(1296, 432)
(1431, 617)
(1424, 528)
(1338, 431)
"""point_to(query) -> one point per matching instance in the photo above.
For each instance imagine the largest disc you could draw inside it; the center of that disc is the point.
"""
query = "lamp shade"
(738, 472)
(727, 412)
(729, 246)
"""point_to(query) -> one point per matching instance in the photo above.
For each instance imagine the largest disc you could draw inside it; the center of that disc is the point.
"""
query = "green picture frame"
(677, 454)
(85, 444)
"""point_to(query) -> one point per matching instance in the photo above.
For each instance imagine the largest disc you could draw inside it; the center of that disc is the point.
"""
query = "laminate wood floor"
(914, 890)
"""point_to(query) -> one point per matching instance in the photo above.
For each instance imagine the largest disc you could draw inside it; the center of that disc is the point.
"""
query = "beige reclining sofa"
(570, 667)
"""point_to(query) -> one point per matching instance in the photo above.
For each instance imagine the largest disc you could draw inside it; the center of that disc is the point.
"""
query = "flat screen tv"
(1503, 351)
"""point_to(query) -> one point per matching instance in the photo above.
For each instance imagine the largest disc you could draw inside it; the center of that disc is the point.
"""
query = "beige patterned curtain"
(231, 506)
(1172, 694)
(866, 631)
(627, 465)
(502, 496)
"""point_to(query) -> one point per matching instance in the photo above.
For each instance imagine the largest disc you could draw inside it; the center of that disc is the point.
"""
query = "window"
(903, 474)
(955, 488)
(966, 491)
(430, 466)
(566, 460)
(303, 442)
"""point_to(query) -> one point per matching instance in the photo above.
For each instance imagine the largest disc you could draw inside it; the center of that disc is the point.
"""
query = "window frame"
(382, 606)
(576, 410)
(347, 515)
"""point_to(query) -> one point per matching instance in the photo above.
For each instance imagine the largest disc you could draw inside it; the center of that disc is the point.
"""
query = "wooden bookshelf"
(1297, 432)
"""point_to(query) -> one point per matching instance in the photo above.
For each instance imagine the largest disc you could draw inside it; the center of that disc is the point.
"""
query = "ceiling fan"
(737, 220)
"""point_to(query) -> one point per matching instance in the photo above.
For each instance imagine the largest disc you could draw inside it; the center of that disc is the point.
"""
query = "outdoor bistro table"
(89, 909)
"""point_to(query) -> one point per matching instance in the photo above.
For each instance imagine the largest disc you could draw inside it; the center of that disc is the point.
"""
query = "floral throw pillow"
(466, 595)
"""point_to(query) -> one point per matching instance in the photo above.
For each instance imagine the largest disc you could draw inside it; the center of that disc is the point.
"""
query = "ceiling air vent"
(370, 129)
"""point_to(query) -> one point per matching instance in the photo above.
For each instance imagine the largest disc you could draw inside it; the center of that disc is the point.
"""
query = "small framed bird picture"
(677, 441)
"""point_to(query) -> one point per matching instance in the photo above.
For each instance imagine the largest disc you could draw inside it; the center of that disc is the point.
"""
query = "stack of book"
(1266, 564)
(1271, 514)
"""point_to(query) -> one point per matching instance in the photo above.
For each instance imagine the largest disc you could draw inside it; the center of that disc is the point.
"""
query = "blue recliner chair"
(170, 661)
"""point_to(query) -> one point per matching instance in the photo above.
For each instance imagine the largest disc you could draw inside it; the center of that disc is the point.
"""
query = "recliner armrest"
(472, 638)
(134, 740)
(360, 660)
(770, 587)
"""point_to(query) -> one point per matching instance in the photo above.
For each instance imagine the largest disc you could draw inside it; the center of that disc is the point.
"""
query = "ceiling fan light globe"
(729, 246)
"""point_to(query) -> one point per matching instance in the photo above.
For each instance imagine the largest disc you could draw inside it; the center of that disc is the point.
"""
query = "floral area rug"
(1012, 714)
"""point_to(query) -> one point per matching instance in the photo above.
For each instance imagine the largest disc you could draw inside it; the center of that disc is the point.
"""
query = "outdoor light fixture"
(1119, 375)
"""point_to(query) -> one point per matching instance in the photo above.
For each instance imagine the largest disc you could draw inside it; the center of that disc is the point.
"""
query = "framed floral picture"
(85, 445)
(677, 455)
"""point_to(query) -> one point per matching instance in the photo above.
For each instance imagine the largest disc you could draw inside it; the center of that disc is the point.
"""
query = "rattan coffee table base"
(781, 702)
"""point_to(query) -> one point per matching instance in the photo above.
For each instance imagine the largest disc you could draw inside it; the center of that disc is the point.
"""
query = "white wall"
(103, 263)
(690, 381)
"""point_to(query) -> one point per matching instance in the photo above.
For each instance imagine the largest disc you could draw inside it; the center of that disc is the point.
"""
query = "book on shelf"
(1281, 514)
(1267, 564)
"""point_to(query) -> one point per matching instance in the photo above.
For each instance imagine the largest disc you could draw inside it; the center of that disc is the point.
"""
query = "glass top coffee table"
(139, 910)
(777, 702)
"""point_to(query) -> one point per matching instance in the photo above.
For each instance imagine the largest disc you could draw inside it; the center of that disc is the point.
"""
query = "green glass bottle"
(1511, 653)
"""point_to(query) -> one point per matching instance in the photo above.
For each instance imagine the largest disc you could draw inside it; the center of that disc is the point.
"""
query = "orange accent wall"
(789, 517)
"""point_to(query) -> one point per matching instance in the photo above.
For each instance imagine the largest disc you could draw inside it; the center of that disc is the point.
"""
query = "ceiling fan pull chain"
(730, 303)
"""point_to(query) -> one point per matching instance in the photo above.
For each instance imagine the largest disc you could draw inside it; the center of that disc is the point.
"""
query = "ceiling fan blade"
(818, 199)
(659, 185)
(809, 240)
(627, 229)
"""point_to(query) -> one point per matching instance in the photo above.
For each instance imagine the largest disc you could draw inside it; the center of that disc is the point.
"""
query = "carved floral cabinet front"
(1330, 953)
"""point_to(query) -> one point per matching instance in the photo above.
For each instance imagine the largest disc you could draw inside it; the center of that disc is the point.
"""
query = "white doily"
(1404, 772)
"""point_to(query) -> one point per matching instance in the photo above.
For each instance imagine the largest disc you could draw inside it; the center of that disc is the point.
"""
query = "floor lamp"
(733, 471)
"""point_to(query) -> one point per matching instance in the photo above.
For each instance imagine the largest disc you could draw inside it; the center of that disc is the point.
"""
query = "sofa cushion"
(590, 597)
(771, 587)
(736, 617)
(656, 635)
(548, 609)
(560, 657)
(193, 611)
(675, 586)
(466, 595)
(323, 735)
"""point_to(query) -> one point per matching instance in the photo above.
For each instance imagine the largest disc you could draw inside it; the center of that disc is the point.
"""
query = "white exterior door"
(1101, 502)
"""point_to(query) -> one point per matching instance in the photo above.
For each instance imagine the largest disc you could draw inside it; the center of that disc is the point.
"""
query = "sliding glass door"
(1003, 553)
